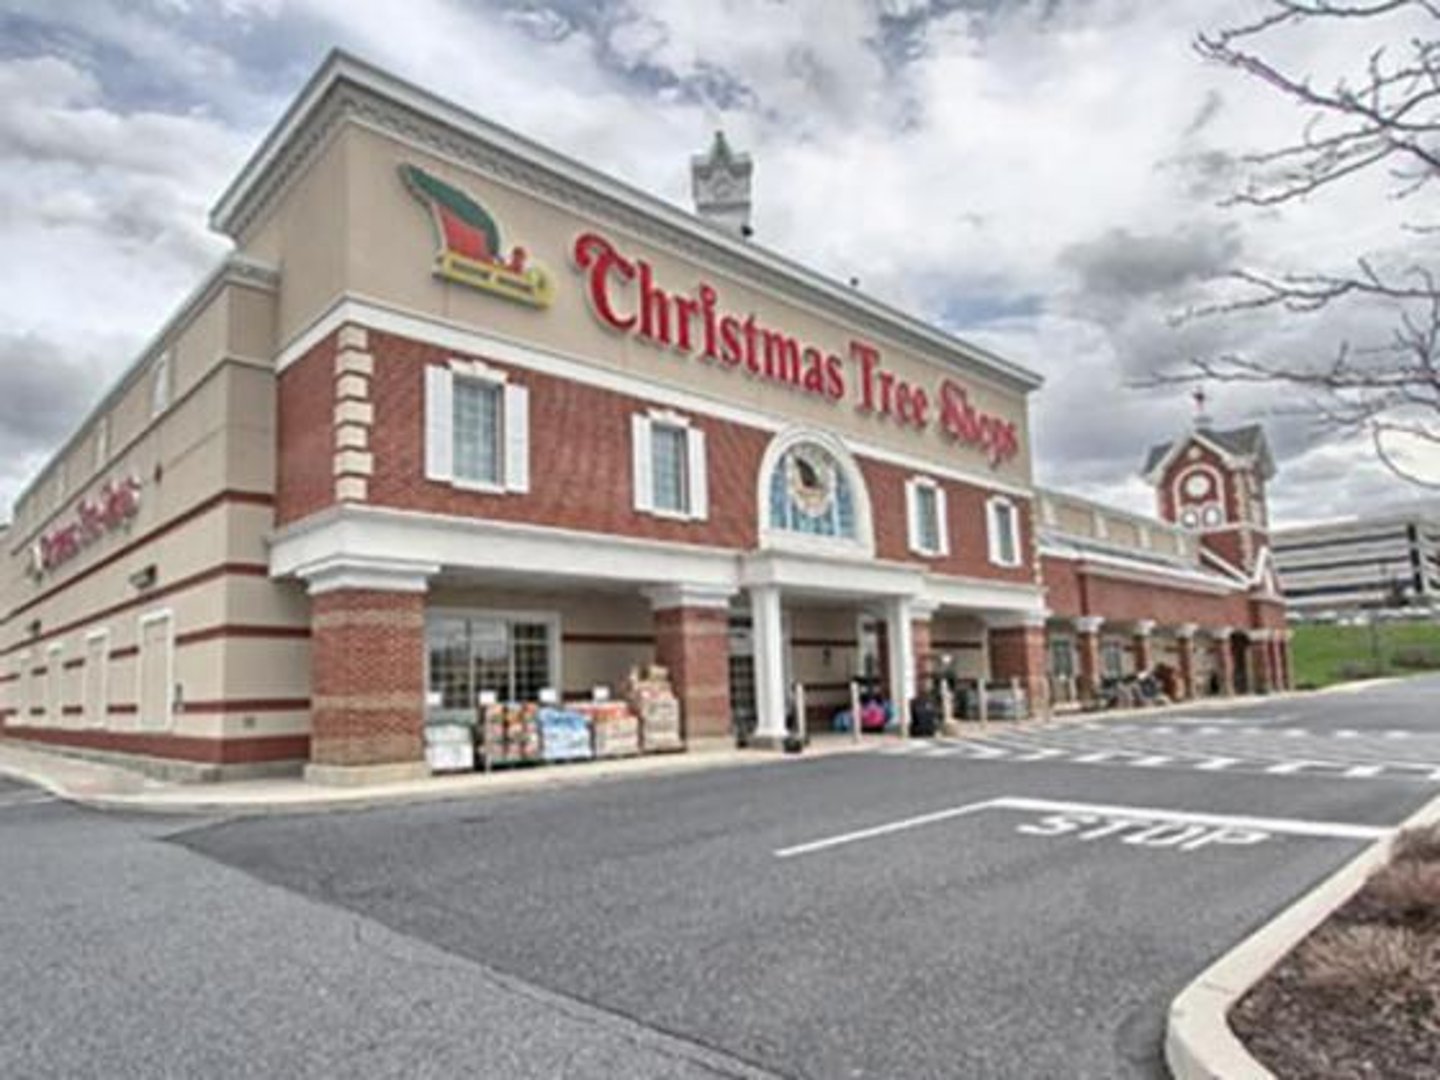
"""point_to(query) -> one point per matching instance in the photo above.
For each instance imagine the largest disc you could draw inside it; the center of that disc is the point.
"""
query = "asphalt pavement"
(914, 914)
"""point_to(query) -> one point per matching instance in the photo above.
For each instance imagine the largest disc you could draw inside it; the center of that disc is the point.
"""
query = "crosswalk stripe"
(1217, 764)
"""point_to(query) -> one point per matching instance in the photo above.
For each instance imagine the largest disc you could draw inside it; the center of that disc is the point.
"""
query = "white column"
(768, 638)
(902, 657)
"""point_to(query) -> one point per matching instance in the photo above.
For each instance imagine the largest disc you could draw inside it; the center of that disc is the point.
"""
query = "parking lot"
(923, 913)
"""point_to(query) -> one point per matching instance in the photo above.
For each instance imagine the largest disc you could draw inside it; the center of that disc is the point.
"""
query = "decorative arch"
(834, 516)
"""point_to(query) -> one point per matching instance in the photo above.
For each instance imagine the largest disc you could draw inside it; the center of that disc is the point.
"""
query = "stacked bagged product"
(564, 734)
(615, 729)
(449, 747)
(509, 734)
(650, 695)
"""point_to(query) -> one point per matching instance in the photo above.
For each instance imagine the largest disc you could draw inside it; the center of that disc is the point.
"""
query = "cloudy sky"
(1041, 176)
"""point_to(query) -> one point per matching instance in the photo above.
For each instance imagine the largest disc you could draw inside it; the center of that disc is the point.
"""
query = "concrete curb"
(1199, 1044)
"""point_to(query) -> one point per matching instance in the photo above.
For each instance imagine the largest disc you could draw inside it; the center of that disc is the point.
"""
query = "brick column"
(1017, 651)
(367, 675)
(1142, 646)
(1087, 648)
(1185, 640)
(1224, 659)
(692, 640)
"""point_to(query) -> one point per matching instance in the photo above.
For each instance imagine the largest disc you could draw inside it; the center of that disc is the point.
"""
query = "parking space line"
(882, 830)
(1327, 830)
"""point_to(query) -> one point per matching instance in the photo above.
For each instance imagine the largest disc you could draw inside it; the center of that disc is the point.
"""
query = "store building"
(460, 415)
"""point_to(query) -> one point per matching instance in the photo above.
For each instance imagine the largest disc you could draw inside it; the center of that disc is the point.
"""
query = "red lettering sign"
(624, 296)
(115, 504)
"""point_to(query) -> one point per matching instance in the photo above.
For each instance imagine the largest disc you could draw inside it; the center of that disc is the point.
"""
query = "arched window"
(810, 493)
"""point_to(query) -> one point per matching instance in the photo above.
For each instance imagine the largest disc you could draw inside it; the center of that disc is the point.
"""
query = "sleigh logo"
(471, 246)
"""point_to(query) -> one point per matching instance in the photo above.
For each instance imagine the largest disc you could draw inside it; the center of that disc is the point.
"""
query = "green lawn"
(1331, 654)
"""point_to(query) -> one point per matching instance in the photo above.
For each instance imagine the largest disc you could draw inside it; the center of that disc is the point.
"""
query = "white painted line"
(1151, 762)
(1099, 756)
(1293, 732)
(1290, 768)
(1215, 764)
(1395, 734)
(1347, 733)
(882, 830)
(1291, 827)
(1039, 755)
(1363, 772)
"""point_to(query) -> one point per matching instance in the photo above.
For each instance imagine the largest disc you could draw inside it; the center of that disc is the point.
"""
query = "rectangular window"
(1004, 533)
(96, 681)
(476, 428)
(927, 518)
(156, 667)
(512, 656)
(1112, 659)
(24, 692)
(54, 684)
(925, 505)
(669, 468)
(1062, 658)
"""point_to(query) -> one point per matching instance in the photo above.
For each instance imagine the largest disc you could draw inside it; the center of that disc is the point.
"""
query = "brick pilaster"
(1018, 652)
(367, 677)
(1185, 655)
(694, 644)
(1224, 663)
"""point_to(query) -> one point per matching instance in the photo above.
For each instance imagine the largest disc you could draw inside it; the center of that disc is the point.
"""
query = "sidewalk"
(112, 787)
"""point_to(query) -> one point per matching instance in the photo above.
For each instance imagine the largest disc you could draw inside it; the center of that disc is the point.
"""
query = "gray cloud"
(1122, 265)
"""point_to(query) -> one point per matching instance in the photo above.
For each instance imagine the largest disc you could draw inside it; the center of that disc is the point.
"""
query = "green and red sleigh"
(471, 248)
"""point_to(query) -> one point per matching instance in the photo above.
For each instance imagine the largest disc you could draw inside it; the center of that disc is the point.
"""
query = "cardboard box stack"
(564, 734)
(651, 697)
(509, 734)
(614, 728)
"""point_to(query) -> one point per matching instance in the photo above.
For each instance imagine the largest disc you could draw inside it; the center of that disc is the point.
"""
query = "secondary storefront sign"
(115, 505)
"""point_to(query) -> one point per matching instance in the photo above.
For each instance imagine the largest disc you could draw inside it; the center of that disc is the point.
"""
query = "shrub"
(1362, 958)
(1421, 844)
(1360, 669)
(1416, 657)
(1404, 893)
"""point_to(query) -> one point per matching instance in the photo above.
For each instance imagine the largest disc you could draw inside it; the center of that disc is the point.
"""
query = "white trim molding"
(668, 597)
(1088, 624)
(993, 505)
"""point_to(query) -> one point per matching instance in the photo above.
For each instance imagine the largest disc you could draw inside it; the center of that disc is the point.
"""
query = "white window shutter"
(517, 437)
(641, 476)
(439, 424)
(699, 474)
(912, 517)
(942, 515)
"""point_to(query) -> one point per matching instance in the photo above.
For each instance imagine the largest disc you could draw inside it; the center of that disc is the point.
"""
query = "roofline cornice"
(347, 89)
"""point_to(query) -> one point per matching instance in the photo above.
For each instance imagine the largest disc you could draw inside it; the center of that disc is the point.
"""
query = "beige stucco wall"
(354, 205)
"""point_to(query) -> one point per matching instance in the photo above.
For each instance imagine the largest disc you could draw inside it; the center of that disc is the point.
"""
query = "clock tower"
(1211, 482)
(720, 183)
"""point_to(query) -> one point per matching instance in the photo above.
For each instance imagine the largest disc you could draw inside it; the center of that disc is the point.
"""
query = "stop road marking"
(1144, 832)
